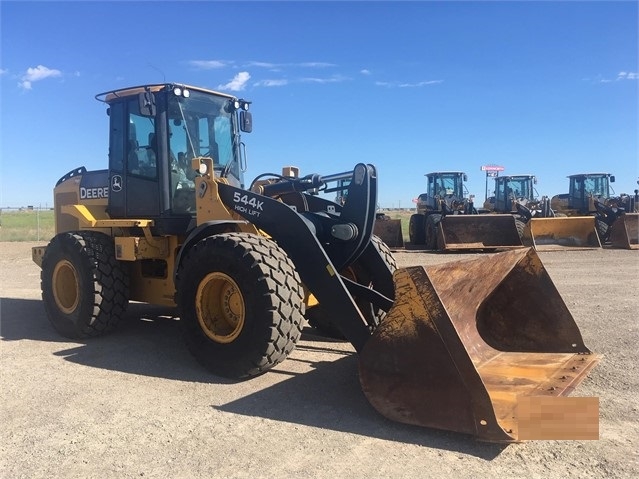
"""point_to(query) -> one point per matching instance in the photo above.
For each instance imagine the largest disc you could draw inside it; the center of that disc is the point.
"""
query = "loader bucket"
(469, 345)
(390, 232)
(487, 231)
(571, 232)
(625, 232)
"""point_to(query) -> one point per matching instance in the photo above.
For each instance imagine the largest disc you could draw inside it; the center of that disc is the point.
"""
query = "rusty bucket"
(469, 346)
(625, 232)
(467, 232)
(390, 232)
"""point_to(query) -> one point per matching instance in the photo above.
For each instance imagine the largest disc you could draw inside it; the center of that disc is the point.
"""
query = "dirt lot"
(136, 404)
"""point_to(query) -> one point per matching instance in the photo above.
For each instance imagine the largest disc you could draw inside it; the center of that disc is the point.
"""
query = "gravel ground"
(136, 404)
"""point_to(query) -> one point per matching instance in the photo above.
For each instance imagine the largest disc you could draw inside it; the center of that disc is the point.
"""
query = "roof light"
(177, 91)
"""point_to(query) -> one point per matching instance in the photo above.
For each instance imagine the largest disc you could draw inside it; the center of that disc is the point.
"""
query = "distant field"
(26, 225)
(37, 225)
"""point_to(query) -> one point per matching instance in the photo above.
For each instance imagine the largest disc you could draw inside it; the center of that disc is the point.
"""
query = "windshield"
(200, 125)
(446, 184)
(596, 186)
(519, 187)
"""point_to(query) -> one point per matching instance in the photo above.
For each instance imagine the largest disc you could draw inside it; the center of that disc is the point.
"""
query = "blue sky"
(548, 88)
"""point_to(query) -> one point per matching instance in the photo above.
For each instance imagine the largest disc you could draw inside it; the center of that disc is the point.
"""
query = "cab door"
(133, 162)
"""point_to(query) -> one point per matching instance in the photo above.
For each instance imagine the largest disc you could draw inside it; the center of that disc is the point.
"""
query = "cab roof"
(445, 173)
(111, 95)
(588, 174)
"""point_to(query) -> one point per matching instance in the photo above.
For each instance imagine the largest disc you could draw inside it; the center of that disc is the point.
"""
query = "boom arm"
(321, 238)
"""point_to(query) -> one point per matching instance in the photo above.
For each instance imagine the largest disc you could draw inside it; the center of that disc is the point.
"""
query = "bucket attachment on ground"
(390, 232)
(547, 234)
(625, 232)
(469, 345)
(488, 231)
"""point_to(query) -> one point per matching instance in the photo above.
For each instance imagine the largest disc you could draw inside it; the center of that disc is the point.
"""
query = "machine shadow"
(329, 397)
(148, 343)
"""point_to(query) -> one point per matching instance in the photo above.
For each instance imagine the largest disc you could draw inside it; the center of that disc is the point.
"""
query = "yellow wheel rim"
(66, 290)
(220, 307)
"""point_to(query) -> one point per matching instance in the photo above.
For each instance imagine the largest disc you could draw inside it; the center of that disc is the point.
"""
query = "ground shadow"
(330, 397)
(148, 342)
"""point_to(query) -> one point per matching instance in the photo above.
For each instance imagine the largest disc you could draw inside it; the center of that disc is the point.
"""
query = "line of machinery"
(459, 346)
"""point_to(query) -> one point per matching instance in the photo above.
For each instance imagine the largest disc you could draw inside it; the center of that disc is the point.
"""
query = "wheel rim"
(220, 307)
(66, 291)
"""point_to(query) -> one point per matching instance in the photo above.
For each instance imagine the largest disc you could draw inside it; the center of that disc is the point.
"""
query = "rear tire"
(358, 272)
(85, 290)
(416, 229)
(432, 222)
(241, 304)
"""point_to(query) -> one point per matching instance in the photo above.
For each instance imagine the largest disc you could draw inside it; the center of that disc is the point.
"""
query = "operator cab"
(446, 184)
(514, 188)
(586, 187)
(155, 133)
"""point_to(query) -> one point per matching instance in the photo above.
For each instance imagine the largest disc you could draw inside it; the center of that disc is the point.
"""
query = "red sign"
(492, 168)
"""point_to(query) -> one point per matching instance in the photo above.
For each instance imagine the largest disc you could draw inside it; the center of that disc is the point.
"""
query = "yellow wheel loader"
(536, 222)
(467, 346)
(616, 217)
(585, 191)
(620, 214)
(446, 219)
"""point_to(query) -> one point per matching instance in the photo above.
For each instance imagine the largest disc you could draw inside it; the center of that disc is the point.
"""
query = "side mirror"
(534, 180)
(465, 177)
(246, 121)
(146, 102)
(612, 179)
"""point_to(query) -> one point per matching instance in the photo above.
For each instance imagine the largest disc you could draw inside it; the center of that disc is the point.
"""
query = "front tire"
(241, 304)
(85, 290)
(432, 222)
(520, 225)
(603, 230)
(416, 229)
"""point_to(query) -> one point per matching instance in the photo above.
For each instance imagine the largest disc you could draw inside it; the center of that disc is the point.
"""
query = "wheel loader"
(479, 347)
(447, 220)
(591, 194)
(620, 214)
(537, 224)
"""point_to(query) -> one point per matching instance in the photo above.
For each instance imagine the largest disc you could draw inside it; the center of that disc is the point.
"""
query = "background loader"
(537, 223)
(620, 214)
(590, 194)
(446, 218)
(437, 347)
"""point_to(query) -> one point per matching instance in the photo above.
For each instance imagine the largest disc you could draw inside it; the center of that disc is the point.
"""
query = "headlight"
(177, 91)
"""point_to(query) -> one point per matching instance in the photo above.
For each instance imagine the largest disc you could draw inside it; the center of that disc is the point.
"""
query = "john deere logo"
(116, 183)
